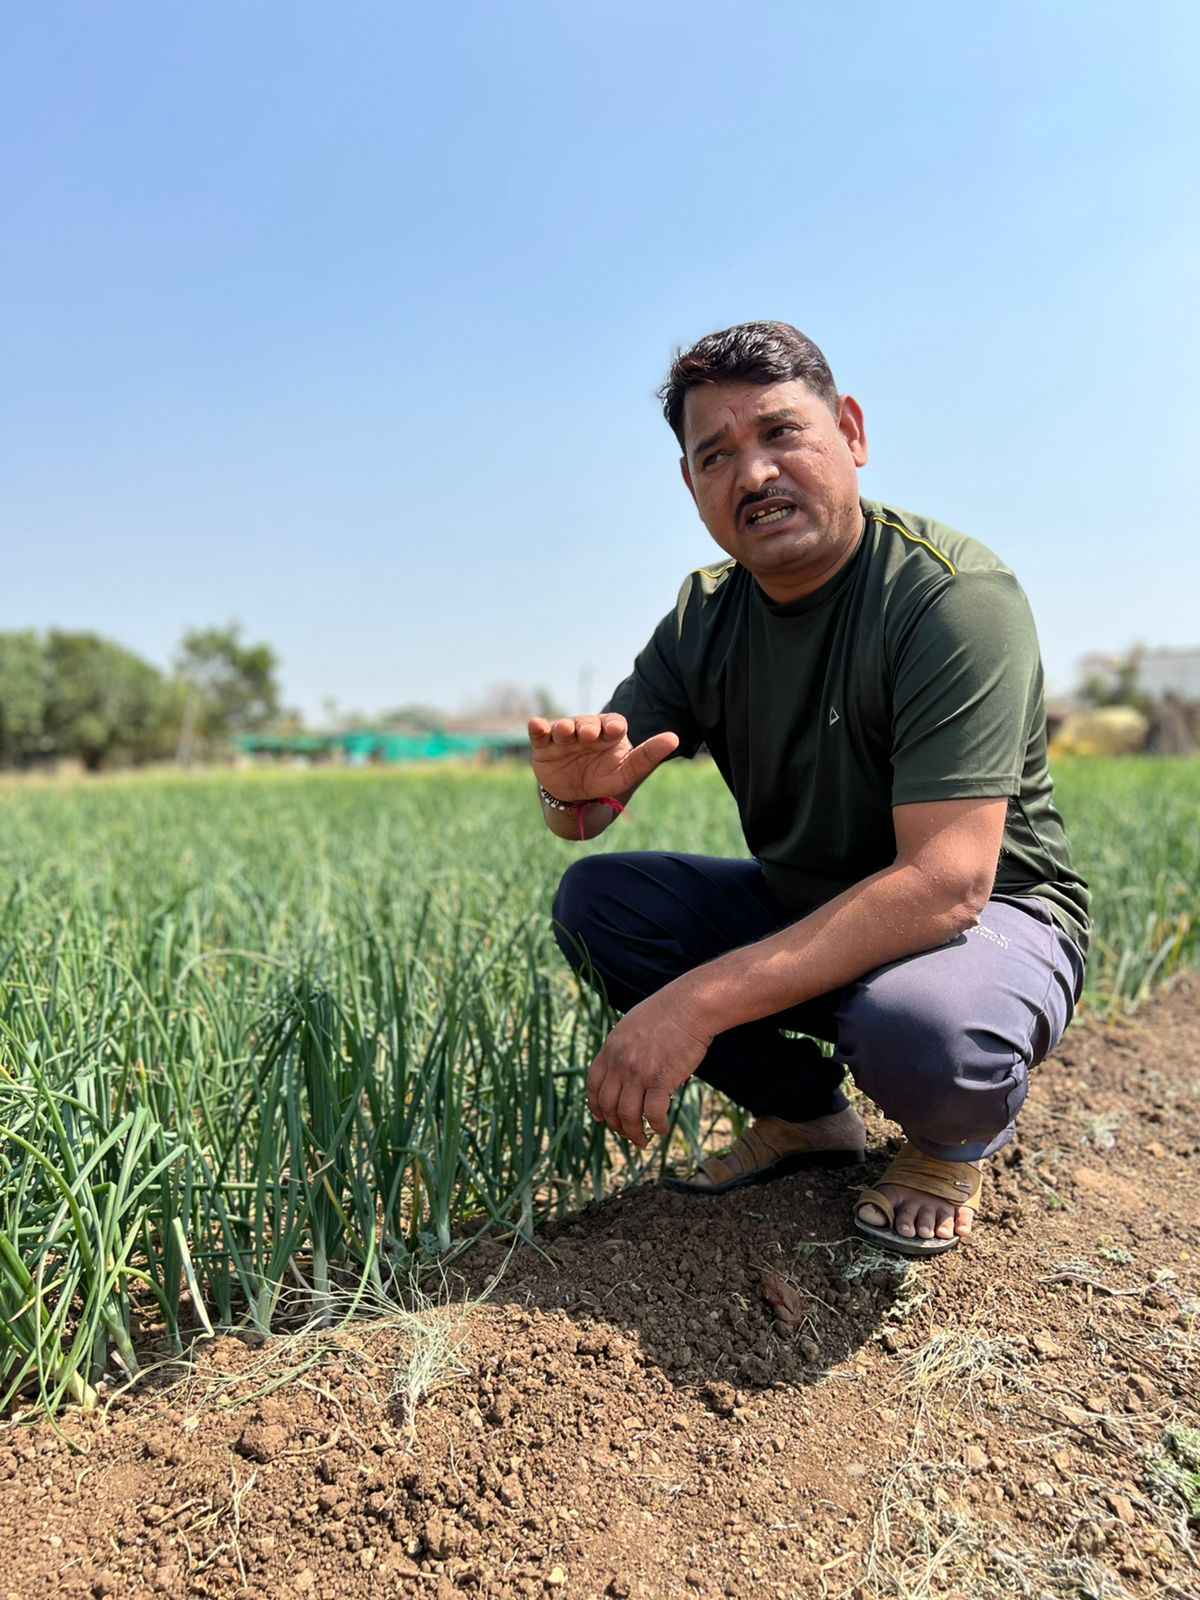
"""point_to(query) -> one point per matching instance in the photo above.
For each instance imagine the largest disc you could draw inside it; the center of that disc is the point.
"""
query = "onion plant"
(267, 1041)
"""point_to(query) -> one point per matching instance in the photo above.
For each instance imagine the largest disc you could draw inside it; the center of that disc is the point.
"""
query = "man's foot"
(772, 1148)
(922, 1205)
(919, 1215)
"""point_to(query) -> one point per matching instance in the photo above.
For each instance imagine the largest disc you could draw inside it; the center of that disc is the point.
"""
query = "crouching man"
(869, 685)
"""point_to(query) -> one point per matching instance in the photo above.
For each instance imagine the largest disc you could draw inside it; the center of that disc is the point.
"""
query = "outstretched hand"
(590, 758)
(652, 1051)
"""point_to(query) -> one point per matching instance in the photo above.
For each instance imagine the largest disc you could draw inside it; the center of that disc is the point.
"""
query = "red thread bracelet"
(614, 806)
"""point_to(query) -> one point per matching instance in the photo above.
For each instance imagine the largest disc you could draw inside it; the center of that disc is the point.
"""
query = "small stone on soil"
(1120, 1507)
(721, 1397)
(262, 1442)
(1048, 1347)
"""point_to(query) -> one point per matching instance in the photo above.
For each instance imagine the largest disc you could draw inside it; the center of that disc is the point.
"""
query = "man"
(869, 685)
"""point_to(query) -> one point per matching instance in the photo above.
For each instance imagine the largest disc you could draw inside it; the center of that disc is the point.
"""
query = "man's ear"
(687, 477)
(853, 428)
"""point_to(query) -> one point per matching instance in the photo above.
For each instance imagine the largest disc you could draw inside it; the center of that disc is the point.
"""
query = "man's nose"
(756, 469)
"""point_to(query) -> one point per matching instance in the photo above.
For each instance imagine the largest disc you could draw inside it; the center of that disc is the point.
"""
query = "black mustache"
(760, 498)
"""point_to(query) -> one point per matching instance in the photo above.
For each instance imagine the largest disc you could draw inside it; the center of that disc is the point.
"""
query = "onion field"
(269, 1041)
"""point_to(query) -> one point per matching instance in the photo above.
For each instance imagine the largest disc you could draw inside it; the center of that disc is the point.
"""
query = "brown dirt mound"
(626, 1416)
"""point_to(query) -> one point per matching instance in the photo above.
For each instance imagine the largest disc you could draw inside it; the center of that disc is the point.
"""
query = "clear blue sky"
(345, 320)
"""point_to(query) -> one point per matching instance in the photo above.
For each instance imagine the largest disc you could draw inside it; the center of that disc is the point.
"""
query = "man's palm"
(587, 758)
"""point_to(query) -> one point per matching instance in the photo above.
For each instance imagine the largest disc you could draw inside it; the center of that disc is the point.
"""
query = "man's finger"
(539, 730)
(652, 752)
(587, 729)
(608, 1095)
(629, 1113)
(563, 731)
(597, 1073)
(657, 1110)
(614, 725)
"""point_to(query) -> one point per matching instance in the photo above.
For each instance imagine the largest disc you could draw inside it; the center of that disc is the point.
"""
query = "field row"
(267, 1041)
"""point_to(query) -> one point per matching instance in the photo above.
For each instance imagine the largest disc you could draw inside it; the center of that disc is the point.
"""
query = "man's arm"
(946, 857)
(934, 890)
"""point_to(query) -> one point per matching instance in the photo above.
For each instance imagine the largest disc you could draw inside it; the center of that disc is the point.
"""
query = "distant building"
(1160, 672)
(1170, 672)
(1165, 684)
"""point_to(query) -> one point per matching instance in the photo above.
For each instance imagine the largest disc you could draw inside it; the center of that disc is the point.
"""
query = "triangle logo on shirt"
(833, 716)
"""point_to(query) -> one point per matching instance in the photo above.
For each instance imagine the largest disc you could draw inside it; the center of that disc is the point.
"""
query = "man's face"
(774, 475)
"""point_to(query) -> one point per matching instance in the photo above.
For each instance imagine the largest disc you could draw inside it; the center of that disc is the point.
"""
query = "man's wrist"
(572, 808)
(696, 1001)
(553, 803)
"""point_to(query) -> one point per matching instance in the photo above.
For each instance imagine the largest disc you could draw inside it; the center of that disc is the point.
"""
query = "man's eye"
(710, 459)
(783, 427)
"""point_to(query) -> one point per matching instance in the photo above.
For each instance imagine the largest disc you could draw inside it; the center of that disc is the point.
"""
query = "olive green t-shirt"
(914, 674)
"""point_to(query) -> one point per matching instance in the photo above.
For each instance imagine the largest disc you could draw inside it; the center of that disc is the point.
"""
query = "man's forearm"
(897, 912)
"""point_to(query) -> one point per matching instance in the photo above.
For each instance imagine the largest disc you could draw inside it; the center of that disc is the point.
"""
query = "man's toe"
(926, 1221)
(872, 1215)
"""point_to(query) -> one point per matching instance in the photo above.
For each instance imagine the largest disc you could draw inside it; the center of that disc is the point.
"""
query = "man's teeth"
(759, 517)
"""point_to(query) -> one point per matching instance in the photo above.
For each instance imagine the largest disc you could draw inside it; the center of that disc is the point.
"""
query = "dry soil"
(623, 1416)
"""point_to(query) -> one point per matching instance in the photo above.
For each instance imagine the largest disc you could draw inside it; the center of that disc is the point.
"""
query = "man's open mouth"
(766, 515)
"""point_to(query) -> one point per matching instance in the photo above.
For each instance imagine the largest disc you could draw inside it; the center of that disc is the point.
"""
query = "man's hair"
(752, 352)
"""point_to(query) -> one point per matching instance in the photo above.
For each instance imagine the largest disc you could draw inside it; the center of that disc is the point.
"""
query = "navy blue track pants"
(942, 1041)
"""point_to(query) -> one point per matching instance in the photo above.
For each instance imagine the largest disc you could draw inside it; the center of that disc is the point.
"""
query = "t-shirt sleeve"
(966, 674)
(653, 698)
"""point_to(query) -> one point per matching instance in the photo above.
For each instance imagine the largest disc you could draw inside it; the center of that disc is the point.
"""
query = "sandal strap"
(872, 1197)
(747, 1154)
(959, 1182)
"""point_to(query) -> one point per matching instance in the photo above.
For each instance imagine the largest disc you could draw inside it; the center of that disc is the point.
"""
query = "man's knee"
(917, 1053)
(884, 1027)
(573, 910)
(617, 919)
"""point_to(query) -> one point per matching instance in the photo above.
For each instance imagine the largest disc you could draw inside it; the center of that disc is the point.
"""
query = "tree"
(414, 717)
(23, 692)
(545, 704)
(105, 704)
(230, 687)
(1117, 685)
(505, 703)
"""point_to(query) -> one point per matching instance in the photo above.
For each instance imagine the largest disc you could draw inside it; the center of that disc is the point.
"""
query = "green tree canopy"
(24, 687)
(105, 704)
(79, 694)
(230, 687)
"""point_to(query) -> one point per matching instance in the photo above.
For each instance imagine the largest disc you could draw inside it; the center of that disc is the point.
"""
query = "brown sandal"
(959, 1182)
(755, 1159)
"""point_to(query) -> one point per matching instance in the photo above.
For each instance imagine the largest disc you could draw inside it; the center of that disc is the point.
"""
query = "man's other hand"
(650, 1053)
(590, 758)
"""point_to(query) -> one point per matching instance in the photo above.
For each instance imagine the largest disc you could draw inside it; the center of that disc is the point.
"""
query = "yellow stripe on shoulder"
(915, 538)
(707, 580)
(718, 571)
